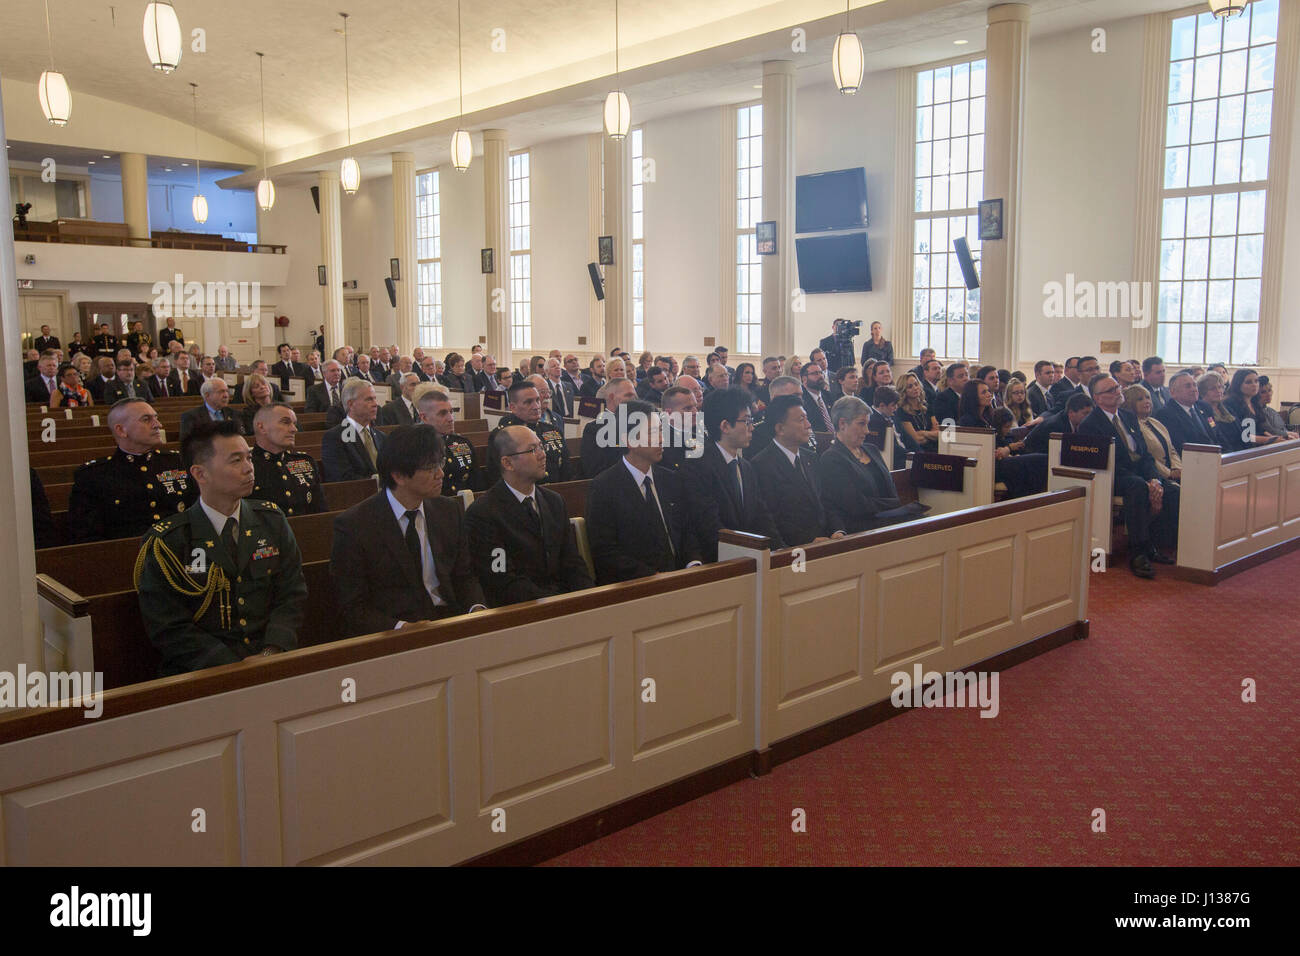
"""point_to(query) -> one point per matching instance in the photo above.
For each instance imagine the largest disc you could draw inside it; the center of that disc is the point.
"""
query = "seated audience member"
(1153, 378)
(327, 395)
(722, 484)
(401, 366)
(475, 375)
(593, 378)
(453, 375)
(653, 385)
(207, 370)
(350, 449)
(682, 430)
(747, 378)
(857, 490)
(764, 434)
(916, 427)
(364, 371)
(1150, 504)
(520, 539)
(140, 483)
(881, 375)
(460, 470)
(284, 367)
(1242, 402)
(281, 475)
(216, 398)
(1231, 433)
(922, 361)
(40, 389)
(1023, 474)
(400, 557)
(44, 533)
(718, 377)
(616, 368)
(598, 452)
(946, 403)
(691, 366)
(643, 365)
(638, 519)
(1076, 379)
(123, 384)
(248, 598)
(771, 372)
(787, 476)
(70, 393)
(526, 409)
(988, 374)
(401, 410)
(1137, 400)
(1037, 391)
(1219, 369)
(1077, 408)
(184, 380)
(691, 384)
(225, 362)
(1017, 401)
(564, 397)
(847, 382)
(548, 417)
(257, 393)
(814, 396)
(1122, 372)
(505, 378)
(884, 407)
(1188, 420)
(100, 379)
(1269, 421)
(572, 373)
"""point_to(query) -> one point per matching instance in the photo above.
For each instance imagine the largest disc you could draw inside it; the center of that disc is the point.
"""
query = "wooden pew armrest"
(62, 597)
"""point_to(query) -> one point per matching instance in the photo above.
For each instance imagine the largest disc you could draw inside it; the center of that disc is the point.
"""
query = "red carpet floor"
(1144, 720)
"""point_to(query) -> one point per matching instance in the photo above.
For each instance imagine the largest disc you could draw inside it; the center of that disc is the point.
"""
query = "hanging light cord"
(198, 185)
(847, 5)
(616, 42)
(49, 36)
(347, 81)
(460, 62)
(261, 82)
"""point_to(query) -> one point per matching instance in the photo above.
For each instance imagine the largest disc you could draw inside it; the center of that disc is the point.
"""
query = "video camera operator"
(838, 346)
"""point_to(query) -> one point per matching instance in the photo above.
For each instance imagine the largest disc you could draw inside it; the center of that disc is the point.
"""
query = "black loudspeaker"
(597, 282)
(315, 197)
(392, 291)
(966, 262)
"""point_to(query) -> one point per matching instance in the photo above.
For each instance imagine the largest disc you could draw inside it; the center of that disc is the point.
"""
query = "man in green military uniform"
(287, 477)
(461, 471)
(526, 409)
(140, 483)
(222, 581)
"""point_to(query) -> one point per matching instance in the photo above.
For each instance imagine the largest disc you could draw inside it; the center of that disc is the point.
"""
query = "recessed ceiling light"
(758, 86)
(961, 42)
(106, 156)
(92, 162)
(167, 169)
(184, 164)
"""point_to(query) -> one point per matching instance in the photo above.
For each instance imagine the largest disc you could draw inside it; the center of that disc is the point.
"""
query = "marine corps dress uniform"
(121, 495)
(210, 599)
(460, 472)
(290, 479)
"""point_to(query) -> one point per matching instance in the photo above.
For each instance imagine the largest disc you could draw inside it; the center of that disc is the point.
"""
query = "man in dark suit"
(572, 373)
(787, 475)
(1083, 372)
(598, 450)
(401, 410)
(284, 368)
(216, 396)
(931, 372)
(1185, 416)
(723, 483)
(638, 520)
(101, 379)
(1077, 408)
(653, 386)
(593, 378)
(1136, 479)
(1153, 378)
(301, 369)
(764, 434)
(350, 449)
(564, 397)
(519, 534)
(814, 397)
(1040, 388)
(319, 344)
(400, 557)
(45, 340)
(328, 394)
(946, 403)
(183, 379)
(158, 383)
(37, 390)
(123, 384)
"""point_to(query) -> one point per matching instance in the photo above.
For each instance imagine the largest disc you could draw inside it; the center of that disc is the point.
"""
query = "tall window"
(428, 253)
(749, 210)
(1217, 130)
(949, 184)
(638, 244)
(521, 268)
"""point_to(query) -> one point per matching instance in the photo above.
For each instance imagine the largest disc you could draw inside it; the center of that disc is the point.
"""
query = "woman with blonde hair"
(1226, 427)
(256, 392)
(792, 367)
(615, 368)
(913, 421)
(1168, 462)
(1017, 399)
(643, 365)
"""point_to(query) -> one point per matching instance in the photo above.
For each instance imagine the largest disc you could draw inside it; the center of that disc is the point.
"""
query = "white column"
(618, 223)
(408, 332)
(496, 236)
(780, 276)
(1007, 47)
(19, 638)
(135, 195)
(331, 256)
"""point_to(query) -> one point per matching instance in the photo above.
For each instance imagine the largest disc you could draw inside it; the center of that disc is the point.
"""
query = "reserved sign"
(938, 472)
(1085, 451)
(590, 407)
(494, 400)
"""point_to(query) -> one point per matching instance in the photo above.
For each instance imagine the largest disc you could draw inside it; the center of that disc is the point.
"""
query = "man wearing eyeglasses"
(1150, 503)
(723, 485)
(520, 539)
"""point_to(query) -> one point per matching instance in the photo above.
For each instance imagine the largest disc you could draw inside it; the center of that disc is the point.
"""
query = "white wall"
(367, 225)
(464, 287)
(561, 287)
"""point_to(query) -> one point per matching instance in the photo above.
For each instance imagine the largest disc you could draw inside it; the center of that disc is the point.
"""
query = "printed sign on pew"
(938, 472)
(1084, 451)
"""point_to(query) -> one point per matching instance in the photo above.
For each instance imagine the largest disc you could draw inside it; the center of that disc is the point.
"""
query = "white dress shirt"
(427, 570)
(218, 519)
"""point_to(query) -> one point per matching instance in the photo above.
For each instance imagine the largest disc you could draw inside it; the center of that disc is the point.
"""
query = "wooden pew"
(1103, 488)
(977, 443)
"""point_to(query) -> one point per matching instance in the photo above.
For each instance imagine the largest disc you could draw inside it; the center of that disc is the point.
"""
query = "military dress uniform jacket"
(460, 472)
(223, 607)
(122, 495)
(290, 479)
(104, 345)
(557, 454)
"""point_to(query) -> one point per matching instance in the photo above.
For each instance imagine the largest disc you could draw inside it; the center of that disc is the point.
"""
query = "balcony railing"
(88, 232)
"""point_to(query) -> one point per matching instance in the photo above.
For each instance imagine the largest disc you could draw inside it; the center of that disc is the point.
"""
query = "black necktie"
(531, 505)
(740, 484)
(653, 501)
(228, 538)
(413, 541)
(801, 470)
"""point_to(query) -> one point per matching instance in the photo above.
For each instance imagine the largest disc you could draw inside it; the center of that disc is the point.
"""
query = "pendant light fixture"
(349, 171)
(265, 188)
(846, 59)
(462, 149)
(618, 112)
(199, 207)
(56, 98)
(1227, 9)
(162, 36)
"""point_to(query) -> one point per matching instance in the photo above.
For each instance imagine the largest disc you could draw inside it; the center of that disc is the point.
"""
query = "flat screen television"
(838, 263)
(825, 202)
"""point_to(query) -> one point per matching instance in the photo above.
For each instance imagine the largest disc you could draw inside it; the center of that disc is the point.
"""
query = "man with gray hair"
(326, 395)
(401, 410)
(460, 471)
(401, 366)
(216, 396)
(281, 475)
(691, 366)
(763, 429)
(549, 417)
(350, 449)
(596, 457)
(692, 385)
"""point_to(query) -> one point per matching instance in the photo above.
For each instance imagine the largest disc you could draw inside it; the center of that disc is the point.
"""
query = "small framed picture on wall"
(395, 269)
(485, 258)
(605, 250)
(991, 219)
(765, 237)
(320, 275)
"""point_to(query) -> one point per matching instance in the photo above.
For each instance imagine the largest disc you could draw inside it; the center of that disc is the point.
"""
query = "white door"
(192, 328)
(356, 321)
(41, 308)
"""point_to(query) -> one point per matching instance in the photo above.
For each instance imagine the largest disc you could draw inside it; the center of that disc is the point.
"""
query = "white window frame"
(637, 147)
(428, 230)
(746, 209)
(518, 196)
